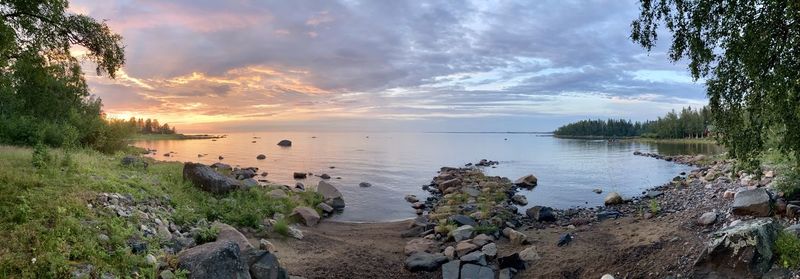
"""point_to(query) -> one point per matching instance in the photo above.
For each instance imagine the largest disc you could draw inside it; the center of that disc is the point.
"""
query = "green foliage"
(789, 181)
(746, 52)
(690, 123)
(206, 234)
(281, 227)
(787, 247)
(486, 229)
(654, 207)
(40, 158)
(44, 97)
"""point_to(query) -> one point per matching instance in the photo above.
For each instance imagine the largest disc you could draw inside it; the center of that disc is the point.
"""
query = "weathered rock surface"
(541, 213)
(285, 143)
(754, 202)
(707, 218)
(742, 250)
(527, 181)
(462, 233)
(422, 261)
(305, 215)
(331, 195)
(209, 180)
(613, 198)
(418, 245)
(474, 271)
(451, 269)
(219, 259)
(229, 233)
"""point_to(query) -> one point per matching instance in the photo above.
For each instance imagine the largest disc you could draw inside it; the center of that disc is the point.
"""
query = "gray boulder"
(474, 271)
(331, 195)
(423, 261)
(221, 166)
(754, 202)
(707, 218)
(306, 215)
(219, 259)
(209, 180)
(613, 198)
(519, 199)
(527, 181)
(741, 251)
(285, 143)
(476, 257)
(541, 213)
(451, 269)
(462, 233)
(229, 233)
(264, 265)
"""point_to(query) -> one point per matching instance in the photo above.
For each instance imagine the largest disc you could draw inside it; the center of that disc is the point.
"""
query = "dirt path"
(348, 250)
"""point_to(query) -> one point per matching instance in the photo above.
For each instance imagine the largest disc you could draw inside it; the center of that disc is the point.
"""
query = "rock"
(364, 184)
(653, 194)
(462, 220)
(564, 239)
(285, 143)
(519, 199)
(481, 239)
(261, 157)
(411, 198)
(278, 194)
(793, 229)
(792, 211)
(295, 232)
(264, 265)
(541, 213)
(220, 157)
(490, 250)
(330, 194)
(613, 198)
(325, 207)
(228, 233)
(517, 238)
(219, 259)
(248, 183)
(476, 257)
(264, 174)
(739, 251)
(306, 215)
(150, 259)
(769, 174)
(448, 184)
(451, 269)
(529, 254)
(473, 271)
(221, 167)
(265, 245)
(728, 194)
(137, 246)
(300, 185)
(463, 248)
(423, 261)
(167, 274)
(597, 191)
(299, 175)
(752, 202)
(450, 252)
(512, 261)
(102, 238)
(607, 276)
(462, 233)
(209, 180)
(506, 273)
(419, 245)
(707, 218)
(244, 173)
(527, 181)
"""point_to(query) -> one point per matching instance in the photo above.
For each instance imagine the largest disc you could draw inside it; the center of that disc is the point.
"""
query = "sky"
(227, 66)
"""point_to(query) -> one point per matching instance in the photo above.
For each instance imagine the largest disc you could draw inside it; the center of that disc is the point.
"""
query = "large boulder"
(754, 202)
(541, 213)
(228, 233)
(613, 198)
(306, 215)
(423, 261)
(219, 259)
(527, 181)
(331, 195)
(744, 250)
(462, 233)
(209, 180)
(285, 143)
(264, 265)
(245, 173)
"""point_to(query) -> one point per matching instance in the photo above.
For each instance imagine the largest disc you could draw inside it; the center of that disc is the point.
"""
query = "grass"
(47, 228)
(787, 247)
(654, 208)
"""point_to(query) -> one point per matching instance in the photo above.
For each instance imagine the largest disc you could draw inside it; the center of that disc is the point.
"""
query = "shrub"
(41, 156)
(485, 229)
(788, 249)
(207, 233)
(281, 227)
(654, 208)
(788, 182)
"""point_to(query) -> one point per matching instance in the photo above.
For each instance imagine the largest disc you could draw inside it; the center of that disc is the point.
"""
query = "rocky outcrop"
(739, 251)
(754, 202)
(527, 181)
(209, 180)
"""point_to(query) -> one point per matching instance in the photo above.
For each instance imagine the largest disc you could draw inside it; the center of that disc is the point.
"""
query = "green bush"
(788, 182)
(281, 227)
(788, 249)
(654, 207)
(40, 157)
(207, 233)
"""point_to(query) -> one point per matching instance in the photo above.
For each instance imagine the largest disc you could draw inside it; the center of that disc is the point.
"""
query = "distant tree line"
(688, 123)
(150, 126)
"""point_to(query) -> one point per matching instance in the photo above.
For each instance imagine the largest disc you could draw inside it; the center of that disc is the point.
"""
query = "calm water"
(400, 163)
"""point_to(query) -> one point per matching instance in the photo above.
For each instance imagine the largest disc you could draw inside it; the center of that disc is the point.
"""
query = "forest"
(688, 123)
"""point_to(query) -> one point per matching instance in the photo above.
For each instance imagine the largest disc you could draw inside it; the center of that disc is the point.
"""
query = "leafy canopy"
(747, 51)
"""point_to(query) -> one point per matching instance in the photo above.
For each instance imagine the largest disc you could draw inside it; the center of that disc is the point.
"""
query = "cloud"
(307, 60)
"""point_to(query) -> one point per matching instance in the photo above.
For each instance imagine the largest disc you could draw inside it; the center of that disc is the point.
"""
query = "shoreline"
(151, 137)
